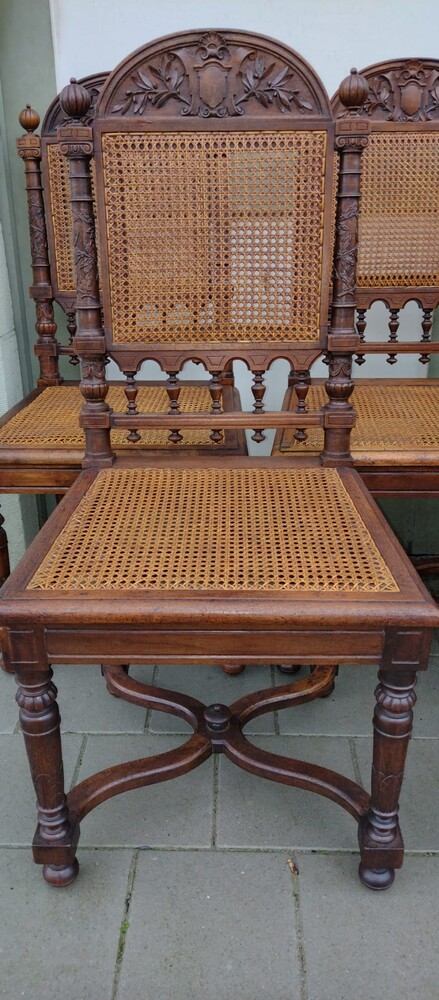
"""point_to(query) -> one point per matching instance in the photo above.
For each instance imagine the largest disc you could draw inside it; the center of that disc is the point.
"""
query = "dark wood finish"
(225, 81)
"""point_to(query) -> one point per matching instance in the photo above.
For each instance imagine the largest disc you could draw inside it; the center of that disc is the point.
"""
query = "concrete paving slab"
(346, 712)
(211, 926)
(18, 814)
(419, 801)
(87, 707)
(177, 813)
(210, 685)
(8, 705)
(255, 813)
(61, 943)
(363, 945)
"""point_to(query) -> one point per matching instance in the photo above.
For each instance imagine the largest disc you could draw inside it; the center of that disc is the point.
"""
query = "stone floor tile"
(256, 813)
(347, 711)
(211, 926)
(419, 800)
(61, 943)
(18, 814)
(87, 707)
(176, 813)
(362, 944)
(8, 705)
(210, 685)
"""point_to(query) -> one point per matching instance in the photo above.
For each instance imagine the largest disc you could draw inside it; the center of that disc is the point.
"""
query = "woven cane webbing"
(52, 419)
(389, 418)
(215, 529)
(214, 237)
(398, 243)
(59, 193)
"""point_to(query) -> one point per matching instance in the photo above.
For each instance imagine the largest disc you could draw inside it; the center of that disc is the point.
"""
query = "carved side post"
(55, 840)
(381, 844)
(76, 142)
(46, 348)
(343, 340)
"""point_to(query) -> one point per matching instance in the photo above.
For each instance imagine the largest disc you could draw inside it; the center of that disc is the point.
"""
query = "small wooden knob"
(29, 119)
(75, 100)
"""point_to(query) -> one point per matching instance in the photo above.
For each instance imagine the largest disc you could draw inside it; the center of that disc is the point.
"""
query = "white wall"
(94, 35)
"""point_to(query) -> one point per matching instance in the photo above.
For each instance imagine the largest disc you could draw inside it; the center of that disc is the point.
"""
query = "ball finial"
(75, 100)
(353, 90)
(29, 119)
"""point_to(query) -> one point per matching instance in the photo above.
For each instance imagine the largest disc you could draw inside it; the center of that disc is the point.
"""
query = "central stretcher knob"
(217, 718)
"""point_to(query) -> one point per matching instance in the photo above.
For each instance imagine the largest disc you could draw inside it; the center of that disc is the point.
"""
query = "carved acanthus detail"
(408, 93)
(84, 250)
(346, 253)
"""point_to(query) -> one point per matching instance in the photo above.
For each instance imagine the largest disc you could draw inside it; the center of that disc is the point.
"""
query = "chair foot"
(232, 668)
(284, 669)
(61, 876)
(376, 878)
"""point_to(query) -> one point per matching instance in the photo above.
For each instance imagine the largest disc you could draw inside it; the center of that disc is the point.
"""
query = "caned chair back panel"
(398, 244)
(214, 180)
(55, 169)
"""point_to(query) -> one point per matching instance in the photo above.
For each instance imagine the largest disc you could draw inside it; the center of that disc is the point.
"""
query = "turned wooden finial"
(353, 90)
(75, 100)
(29, 119)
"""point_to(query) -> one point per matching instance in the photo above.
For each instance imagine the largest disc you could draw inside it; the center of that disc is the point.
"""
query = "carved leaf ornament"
(214, 79)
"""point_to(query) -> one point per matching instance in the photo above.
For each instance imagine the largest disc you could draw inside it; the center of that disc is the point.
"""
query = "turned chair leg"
(56, 837)
(380, 838)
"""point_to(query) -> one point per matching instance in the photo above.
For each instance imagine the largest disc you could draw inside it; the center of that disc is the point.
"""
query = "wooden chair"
(41, 442)
(395, 442)
(222, 143)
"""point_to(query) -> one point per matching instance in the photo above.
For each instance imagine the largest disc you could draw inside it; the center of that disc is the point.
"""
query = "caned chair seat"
(245, 529)
(397, 423)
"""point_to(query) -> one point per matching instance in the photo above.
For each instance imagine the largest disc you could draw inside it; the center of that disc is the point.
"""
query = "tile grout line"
(215, 781)
(354, 758)
(124, 924)
(299, 933)
(148, 716)
(80, 758)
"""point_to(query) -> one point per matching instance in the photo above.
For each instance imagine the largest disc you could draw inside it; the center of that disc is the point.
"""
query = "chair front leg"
(381, 844)
(56, 837)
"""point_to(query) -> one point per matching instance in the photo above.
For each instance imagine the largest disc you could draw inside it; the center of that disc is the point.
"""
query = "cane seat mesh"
(244, 529)
(52, 419)
(389, 418)
(226, 242)
(398, 243)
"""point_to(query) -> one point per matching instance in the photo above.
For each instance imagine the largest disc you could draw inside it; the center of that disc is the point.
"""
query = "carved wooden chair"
(395, 442)
(41, 442)
(223, 144)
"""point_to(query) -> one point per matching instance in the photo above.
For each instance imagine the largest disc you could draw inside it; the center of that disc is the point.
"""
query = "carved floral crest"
(410, 92)
(214, 77)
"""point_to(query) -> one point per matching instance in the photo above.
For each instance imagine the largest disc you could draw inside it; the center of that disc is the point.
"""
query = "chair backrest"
(398, 246)
(214, 178)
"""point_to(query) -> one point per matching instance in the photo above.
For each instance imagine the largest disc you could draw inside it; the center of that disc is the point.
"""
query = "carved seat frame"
(221, 82)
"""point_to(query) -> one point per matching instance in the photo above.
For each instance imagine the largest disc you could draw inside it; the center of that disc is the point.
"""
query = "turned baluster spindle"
(361, 327)
(173, 388)
(351, 139)
(71, 327)
(131, 391)
(258, 390)
(427, 323)
(76, 142)
(301, 389)
(215, 389)
(393, 337)
(46, 348)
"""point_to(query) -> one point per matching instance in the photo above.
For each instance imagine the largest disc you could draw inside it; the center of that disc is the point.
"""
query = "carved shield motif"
(411, 98)
(212, 84)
